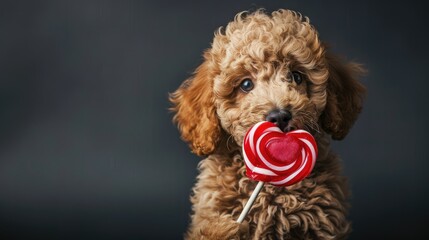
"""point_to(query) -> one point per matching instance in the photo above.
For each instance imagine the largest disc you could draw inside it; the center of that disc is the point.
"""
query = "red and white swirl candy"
(279, 158)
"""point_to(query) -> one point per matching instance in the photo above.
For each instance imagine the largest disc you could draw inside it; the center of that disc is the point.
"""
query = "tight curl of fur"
(213, 115)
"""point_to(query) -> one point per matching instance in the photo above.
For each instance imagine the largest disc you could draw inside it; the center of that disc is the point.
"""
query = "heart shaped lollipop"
(279, 158)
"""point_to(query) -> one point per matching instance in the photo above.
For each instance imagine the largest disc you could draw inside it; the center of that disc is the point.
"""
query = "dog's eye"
(246, 85)
(296, 77)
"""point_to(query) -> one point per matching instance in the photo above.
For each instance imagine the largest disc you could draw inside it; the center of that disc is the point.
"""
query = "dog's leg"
(214, 201)
(216, 226)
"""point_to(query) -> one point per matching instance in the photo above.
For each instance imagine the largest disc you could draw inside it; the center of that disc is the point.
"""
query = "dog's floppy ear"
(344, 97)
(195, 111)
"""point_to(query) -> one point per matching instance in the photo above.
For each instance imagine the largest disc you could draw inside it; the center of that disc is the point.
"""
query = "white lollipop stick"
(250, 202)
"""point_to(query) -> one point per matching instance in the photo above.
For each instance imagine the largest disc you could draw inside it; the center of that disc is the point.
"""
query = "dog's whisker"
(227, 142)
(312, 124)
(308, 122)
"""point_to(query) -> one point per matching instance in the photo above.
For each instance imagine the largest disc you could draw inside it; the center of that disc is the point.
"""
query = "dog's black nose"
(281, 117)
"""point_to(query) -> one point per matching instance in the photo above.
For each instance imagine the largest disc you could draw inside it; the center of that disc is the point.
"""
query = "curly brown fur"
(213, 115)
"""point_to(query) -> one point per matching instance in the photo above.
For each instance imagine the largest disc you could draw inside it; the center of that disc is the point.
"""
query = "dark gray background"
(87, 147)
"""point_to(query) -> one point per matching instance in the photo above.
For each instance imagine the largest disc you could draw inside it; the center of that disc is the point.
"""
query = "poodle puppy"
(267, 67)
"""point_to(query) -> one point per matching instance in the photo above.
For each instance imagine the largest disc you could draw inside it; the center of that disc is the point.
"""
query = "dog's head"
(267, 67)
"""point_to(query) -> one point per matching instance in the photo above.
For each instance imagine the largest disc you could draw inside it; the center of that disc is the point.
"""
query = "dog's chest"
(277, 211)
